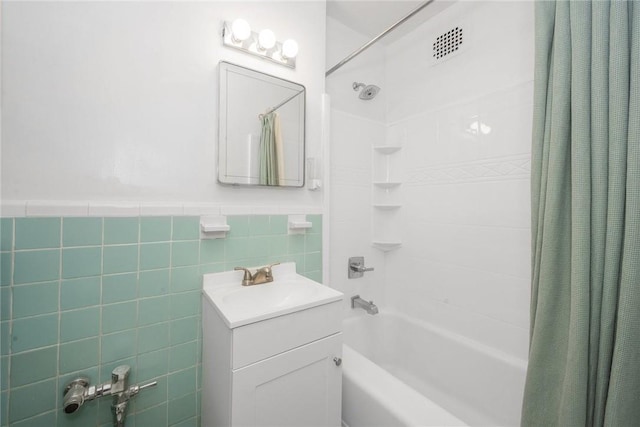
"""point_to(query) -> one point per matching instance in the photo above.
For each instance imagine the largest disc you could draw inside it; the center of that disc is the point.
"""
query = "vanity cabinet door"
(300, 387)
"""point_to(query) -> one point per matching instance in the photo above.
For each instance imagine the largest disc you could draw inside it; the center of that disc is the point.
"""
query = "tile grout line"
(195, 316)
(10, 344)
(60, 274)
(137, 302)
(102, 233)
(166, 396)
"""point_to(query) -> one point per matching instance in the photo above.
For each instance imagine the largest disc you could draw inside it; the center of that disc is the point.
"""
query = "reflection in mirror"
(262, 126)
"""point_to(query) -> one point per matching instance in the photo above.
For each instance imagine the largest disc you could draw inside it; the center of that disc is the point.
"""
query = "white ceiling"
(371, 17)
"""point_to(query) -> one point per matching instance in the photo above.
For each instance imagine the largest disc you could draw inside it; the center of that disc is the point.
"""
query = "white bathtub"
(402, 372)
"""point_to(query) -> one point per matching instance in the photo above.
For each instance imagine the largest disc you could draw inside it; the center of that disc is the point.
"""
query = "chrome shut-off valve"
(75, 394)
(79, 391)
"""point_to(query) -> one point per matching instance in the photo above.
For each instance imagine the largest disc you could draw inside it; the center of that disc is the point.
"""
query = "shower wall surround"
(467, 122)
(464, 125)
(356, 126)
(86, 294)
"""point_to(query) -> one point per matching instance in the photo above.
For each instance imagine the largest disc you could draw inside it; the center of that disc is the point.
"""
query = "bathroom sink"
(280, 294)
(289, 292)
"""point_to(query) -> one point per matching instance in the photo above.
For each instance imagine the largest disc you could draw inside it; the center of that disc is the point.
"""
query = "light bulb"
(266, 39)
(240, 30)
(289, 48)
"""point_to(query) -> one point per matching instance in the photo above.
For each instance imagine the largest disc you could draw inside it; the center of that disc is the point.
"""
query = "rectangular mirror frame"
(224, 175)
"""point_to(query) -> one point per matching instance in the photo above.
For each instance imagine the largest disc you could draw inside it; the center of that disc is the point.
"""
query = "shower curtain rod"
(376, 38)
(272, 109)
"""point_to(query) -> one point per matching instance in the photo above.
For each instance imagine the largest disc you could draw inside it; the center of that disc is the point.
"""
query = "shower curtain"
(271, 151)
(584, 357)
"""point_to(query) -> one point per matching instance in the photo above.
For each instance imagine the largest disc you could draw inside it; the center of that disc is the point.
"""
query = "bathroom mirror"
(261, 129)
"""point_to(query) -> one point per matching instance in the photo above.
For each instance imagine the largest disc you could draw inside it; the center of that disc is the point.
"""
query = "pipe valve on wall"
(78, 391)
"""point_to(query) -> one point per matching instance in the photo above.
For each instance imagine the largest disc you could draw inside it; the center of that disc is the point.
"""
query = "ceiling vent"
(448, 43)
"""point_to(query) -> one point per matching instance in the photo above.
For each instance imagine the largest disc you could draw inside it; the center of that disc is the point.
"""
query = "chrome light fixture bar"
(238, 35)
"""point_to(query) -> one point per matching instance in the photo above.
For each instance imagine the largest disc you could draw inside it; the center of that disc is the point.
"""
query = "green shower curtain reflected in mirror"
(271, 150)
(584, 358)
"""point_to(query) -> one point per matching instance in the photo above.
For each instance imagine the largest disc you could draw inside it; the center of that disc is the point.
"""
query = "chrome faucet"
(78, 391)
(262, 275)
(368, 306)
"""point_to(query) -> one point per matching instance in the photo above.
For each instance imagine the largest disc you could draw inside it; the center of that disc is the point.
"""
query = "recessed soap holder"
(214, 227)
(298, 224)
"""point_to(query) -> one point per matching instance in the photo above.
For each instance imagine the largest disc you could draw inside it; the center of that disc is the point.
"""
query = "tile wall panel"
(84, 295)
(466, 175)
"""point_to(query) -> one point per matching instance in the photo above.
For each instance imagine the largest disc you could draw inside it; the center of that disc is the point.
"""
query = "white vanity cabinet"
(276, 360)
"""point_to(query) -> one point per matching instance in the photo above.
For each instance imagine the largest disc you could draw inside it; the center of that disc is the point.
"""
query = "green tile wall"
(84, 295)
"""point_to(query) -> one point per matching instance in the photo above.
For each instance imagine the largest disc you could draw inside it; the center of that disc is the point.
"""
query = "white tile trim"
(265, 210)
(157, 209)
(13, 208)
(47, 208)
(235, 210)
(114, 209)
(200, 209)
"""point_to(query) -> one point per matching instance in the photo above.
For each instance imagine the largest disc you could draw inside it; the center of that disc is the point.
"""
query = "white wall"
(464, 264)
(356, 126)
(366, 68)
(118, 101)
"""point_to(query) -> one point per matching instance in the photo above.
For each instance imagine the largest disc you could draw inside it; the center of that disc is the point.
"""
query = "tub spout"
(368, 306)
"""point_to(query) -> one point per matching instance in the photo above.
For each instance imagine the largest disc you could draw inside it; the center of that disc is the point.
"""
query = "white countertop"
(289, 292)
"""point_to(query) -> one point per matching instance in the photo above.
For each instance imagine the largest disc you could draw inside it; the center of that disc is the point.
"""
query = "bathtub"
(401, 372)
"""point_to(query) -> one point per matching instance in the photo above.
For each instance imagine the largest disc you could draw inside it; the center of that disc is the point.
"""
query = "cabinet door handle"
(337, 361)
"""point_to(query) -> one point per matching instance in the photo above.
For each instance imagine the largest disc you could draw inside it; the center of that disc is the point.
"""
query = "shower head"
(367, 92)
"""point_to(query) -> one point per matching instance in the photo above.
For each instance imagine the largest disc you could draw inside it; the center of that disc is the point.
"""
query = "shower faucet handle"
(361, 268)
(357, 268)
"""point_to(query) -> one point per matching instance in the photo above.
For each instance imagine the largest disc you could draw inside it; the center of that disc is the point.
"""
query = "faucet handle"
(120, 373)
(247, 280)
(360, 268)
(147, 385)
(266, 270)
(135, 389)
(119, 378)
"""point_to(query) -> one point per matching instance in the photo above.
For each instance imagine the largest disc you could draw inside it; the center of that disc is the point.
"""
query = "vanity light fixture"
(240, 30)
(289, 48)
(238, 35)
(266, 39)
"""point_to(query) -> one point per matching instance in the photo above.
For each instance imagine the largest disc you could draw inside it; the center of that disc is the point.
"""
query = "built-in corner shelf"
(386, 200)
(387, 206)
(386, 246)
(387, 149)
(386, 184)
